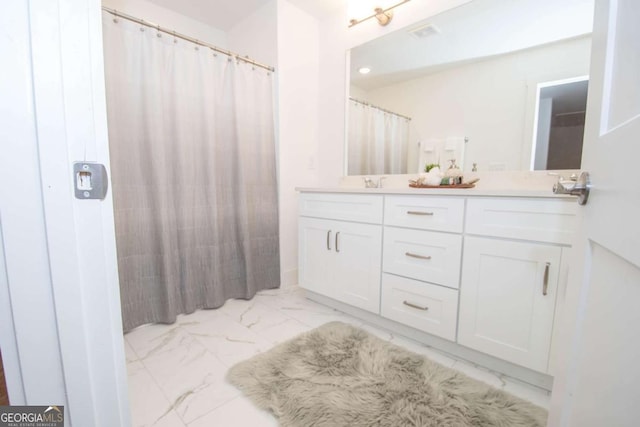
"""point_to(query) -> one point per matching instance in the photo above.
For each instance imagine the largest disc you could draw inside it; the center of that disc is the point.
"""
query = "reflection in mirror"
(559, 128)
(468, 79)
(378, 140)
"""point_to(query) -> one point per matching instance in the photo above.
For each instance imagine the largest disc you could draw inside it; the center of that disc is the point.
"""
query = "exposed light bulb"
(364, 70)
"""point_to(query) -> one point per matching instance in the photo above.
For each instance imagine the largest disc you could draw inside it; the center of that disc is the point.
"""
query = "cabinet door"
(358, 258)
(341, 260)
(315, 254)
(503, 307)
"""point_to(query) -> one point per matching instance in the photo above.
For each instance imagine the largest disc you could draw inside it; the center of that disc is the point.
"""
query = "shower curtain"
(378, 141)
(193, 168)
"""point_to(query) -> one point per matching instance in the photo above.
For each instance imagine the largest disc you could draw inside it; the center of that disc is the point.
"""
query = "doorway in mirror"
(559, 124)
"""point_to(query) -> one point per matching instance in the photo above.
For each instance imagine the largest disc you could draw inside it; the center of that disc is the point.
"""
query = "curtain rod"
(187, 38)
(379, 108)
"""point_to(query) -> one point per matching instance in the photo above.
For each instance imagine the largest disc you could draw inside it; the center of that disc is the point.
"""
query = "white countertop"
(490, 184)
(465, 192)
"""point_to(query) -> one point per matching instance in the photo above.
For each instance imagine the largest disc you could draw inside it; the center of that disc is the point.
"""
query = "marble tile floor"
(176, 372)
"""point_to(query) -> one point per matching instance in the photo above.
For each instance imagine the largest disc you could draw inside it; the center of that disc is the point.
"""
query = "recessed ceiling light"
(364, 70)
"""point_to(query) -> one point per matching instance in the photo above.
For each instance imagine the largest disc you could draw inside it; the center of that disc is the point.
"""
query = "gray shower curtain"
(193, 169)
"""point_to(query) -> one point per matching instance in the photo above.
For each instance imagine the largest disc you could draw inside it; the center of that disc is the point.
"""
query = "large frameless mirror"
(468, 84)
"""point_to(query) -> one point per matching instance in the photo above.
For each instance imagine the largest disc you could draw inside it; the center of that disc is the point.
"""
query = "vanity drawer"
(346, 207)
(423, 255)
(429, 308)
(425, 212)
(542, 220)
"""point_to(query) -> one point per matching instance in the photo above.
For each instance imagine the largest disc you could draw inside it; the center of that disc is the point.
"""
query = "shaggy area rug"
(338, 375)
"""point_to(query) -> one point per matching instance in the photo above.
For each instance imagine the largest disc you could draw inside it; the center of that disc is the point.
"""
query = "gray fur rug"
(338, 375)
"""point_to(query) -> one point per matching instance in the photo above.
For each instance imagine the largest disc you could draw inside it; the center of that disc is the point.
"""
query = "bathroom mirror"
(465, 85)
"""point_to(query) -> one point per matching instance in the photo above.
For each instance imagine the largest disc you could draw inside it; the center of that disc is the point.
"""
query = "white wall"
(169, 19)
(298, 101)
(257, 35)
(487, 101)
(404, 15)
(334, 91)
(358, 93)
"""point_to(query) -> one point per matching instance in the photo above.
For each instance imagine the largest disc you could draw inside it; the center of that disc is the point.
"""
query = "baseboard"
(452, 349)
(289, 278)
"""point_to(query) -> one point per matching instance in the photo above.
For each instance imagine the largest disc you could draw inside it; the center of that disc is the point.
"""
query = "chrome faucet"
(369, 183)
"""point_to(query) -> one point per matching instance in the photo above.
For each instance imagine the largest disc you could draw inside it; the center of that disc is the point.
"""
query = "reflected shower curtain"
(193, 171)
(378, 141)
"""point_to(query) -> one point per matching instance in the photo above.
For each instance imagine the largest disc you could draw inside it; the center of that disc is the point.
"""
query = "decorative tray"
(463, 185)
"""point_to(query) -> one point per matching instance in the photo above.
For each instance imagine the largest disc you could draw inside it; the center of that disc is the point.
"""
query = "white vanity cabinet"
(421, 262)
(482, 277)
(341, 259)
(511, 276)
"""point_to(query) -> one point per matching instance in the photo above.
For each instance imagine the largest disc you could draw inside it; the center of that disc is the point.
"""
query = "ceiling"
(476, 30)
(225, 14)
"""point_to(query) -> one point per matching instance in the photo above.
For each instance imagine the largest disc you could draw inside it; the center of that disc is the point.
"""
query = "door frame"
(62, 111)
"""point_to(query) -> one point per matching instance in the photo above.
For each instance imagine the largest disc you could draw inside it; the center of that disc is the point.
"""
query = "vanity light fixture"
(383, 15)
(364, 70)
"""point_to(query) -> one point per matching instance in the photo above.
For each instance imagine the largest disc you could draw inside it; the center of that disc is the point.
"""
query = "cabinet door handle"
(419, 307)
(419, 213)
(545, 280)
(337, 248)
(329, 240)
(409, 254)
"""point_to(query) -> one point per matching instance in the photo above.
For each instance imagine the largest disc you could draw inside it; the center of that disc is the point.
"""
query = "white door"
(507, 299)
(599, 381)
(60, 321)
(358, 262)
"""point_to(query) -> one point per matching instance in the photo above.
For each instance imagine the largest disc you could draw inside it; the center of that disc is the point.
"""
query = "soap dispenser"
(454, 174)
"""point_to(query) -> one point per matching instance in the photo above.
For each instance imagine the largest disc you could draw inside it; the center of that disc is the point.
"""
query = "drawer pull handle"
(419, 307)
(409, 254)
(337, 248)
(545, 280)
(329, 240)
(419, 213)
